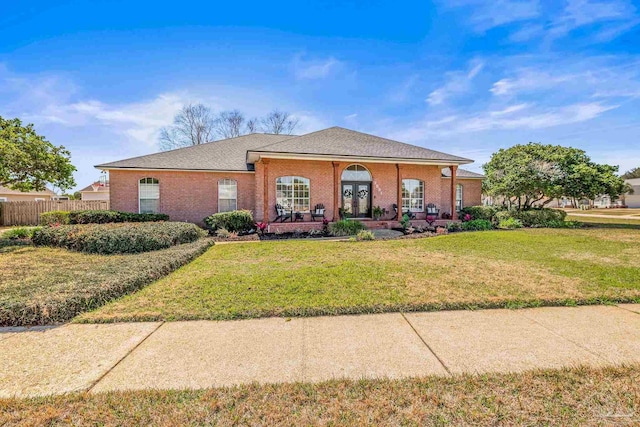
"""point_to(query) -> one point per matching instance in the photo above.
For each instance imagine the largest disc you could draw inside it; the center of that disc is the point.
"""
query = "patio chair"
(432, 210)
(283, 214)
(317, 212)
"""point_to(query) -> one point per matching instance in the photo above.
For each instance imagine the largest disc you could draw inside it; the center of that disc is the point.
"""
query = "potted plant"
(378, 212)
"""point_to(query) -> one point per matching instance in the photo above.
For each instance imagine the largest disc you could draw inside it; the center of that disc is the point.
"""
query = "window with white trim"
(227, 195)
(356, 173)
(412, 195)
(149, 195)
(293, 192)
(458, 197)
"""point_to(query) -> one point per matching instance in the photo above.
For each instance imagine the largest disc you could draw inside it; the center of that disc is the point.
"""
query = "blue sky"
(461, 76)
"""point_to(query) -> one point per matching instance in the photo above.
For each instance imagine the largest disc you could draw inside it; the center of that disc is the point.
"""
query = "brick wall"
(191, 196)
(471, 193)
(184, 196)
(320, 175)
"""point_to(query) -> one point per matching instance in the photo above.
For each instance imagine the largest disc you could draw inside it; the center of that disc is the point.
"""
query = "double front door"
(356, 199)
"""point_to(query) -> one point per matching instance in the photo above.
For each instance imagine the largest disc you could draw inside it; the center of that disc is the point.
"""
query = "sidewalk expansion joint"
(626, 309)
(444, 365)
(95, 383)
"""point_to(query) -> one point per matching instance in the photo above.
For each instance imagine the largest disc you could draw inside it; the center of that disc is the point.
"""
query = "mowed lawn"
(465, 270)
(567, 397)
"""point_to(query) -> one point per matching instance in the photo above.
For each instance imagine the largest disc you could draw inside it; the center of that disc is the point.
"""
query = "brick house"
(344, 170)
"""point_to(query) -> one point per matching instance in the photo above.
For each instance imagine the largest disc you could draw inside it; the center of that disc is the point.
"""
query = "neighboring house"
(99, 190)
(632, 200)
(8, 195)
(335, 167)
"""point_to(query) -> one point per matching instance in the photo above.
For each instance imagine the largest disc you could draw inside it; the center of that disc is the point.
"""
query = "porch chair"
(432, 210)
(317, 212)
(283, 214)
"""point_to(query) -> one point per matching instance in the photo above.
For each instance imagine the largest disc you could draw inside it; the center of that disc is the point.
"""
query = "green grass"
(41, 285)
(466, 270)
(567, 397)
(612, 222)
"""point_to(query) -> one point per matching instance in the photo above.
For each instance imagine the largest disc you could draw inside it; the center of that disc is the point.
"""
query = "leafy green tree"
(28, 161)
(535, 173)
(633, 173)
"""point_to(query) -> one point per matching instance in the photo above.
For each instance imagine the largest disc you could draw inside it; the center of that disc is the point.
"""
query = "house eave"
(107, 168)
(254, 156)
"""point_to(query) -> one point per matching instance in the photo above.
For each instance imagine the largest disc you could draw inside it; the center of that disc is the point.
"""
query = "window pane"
(149, 195)
(293, 192)
(149, 205)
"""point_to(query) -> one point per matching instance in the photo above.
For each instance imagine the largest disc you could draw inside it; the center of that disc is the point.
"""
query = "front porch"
(285, 227)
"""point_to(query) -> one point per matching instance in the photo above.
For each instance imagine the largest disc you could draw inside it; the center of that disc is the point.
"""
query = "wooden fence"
(28, 213)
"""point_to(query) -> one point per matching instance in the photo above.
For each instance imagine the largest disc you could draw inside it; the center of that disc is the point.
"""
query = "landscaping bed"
(491, 269)
(576, 396)
(44, 285)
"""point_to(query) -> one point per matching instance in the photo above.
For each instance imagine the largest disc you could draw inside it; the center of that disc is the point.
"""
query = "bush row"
(97, 217)
(118, 238)
(136, 272)
(542, 217)
(240, 221)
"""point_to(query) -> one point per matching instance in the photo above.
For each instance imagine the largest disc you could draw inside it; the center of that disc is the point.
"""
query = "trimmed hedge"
(346, 227)
(134, 272)
(55, 217)
(240, 221)
(106, 217)
(118, 238)
(534, 217)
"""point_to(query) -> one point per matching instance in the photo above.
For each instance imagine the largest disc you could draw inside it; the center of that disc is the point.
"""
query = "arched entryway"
(356, 192)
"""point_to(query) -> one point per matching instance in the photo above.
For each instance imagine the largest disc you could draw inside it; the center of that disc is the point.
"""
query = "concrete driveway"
(199, 354)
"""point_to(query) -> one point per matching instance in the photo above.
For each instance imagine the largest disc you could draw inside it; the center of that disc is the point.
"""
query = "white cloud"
(315, 69)
(487, 14)
(515, 117)
(457, 82)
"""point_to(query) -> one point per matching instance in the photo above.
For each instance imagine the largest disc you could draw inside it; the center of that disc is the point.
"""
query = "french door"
(356, 199)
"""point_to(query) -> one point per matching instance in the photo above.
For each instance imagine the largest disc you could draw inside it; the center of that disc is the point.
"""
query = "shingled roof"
(462, 173)
(238, 154)
(337, 141)
(224, 155)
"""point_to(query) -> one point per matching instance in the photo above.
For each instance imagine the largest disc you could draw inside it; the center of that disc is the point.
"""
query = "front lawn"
(579, 396)
(606, 222)
(527, 267)
(41, 285)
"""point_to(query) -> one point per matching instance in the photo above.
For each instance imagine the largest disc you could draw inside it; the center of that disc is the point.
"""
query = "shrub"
(480, 212)
(454, 226)
(346, 227)
(118, 238)
(223, 233)
(477, 225)
(107, 217)
(93, 217)
(405, 223)
(510, 224)
(234, 221)
(365, 235)
(141, 217)
(533, 217)
(19, 233)
(54, 217)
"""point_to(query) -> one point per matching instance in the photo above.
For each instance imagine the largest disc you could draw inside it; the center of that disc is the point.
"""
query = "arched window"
(412, 195)
(459, 197)
(356, 173)
(149, 195)
(227, 195)
(292, 192)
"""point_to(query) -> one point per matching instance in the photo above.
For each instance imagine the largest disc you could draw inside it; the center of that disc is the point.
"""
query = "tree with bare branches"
(230, 124)
(193, 125)
(279, 122)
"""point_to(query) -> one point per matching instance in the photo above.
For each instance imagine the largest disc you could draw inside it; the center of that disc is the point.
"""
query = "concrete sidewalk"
(200, 354)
